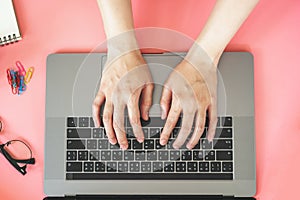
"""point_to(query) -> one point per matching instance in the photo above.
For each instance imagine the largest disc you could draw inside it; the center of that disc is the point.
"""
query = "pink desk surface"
(271, 33)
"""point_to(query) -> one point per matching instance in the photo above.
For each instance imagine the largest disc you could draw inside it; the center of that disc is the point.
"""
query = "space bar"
(148, 176)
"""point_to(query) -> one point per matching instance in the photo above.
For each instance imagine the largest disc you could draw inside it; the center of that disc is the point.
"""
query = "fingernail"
(113, 141)
(163, 141)
(175, 146)
(123, 146)
(140, 140)
(189, 146)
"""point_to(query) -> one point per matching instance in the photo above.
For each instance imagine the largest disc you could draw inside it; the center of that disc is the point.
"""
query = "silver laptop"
(81, 164)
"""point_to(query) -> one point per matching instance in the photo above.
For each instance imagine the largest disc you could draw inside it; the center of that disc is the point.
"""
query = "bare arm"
(222, 24)
(125, 78)
(191, 89)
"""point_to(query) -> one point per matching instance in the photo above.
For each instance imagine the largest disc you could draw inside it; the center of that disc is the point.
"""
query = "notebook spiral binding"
(9, 39)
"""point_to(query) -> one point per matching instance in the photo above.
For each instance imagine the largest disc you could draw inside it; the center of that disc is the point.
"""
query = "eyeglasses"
(17, 153)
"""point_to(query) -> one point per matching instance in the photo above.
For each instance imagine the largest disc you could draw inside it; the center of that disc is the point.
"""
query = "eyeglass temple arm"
(12, 161)
(26, 161)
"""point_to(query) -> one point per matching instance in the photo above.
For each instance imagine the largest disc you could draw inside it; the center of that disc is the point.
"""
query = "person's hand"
(191, 89)
(124, 80)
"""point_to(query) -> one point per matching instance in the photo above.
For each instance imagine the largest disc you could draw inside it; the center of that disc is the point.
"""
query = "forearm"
(118, 25)
(224, 21)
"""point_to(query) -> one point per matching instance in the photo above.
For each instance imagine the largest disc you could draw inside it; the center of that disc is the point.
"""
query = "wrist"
(121, 44)
(200, 58)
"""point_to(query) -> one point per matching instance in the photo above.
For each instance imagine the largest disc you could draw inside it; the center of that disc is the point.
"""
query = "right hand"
(124, 80)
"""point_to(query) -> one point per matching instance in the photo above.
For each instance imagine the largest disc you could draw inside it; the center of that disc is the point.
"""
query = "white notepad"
(9, 30)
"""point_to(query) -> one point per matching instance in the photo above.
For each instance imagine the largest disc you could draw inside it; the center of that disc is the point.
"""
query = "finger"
(213, 120)
(118, 125)
(134, 116)
(198, 130)
(185, 129)
(165, 101)
(146, 100)
(107, 121)
(170, 122)
(98, 101)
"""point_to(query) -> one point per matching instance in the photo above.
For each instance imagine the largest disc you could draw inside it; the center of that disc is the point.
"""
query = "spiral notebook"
(9, 30)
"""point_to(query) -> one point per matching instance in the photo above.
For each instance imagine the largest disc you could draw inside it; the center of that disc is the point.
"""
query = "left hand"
(191, 90)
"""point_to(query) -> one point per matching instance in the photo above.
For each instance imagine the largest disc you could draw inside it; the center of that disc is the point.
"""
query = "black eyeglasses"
(17, 153)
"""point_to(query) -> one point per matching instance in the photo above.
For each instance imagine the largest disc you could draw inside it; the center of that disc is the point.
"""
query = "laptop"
(80, 163)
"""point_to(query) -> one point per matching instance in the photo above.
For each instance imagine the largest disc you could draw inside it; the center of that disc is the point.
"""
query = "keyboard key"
(146, 132)
(111, 166)
(215, 166)
(152, 155)
(78, 133)
(197, 146)
(223, 144)
(169, 167)
(102, 144)
(76, 144)
(88, 166)
(140, 155)
(205, 144)
(94, 155)
(83, 122)
(226, 121)
(209, 155)
(203, 166)
(83, 155)
(157, 166)
(129, 144)
(180, 166)
(154, 133)
(98, 133)
(92, 124)
(74, 166)
(224, 155)
(175, 132)
(223, 133)
(91, 144)
(105, 155)
(71, 121)
(128, 155)
(146, 166)
(137, 145)
(134, 166)
(100, 167)
(153, 122)
(204, 133)
(186, 155)
(198, 155)
(174, 155)
(163, 155)
(227, 166)
(129, 133)
(149, 144)
(192, 166)
(117, 155)
(122, 166)
(71, 155)
(114, 146)
(158, 145)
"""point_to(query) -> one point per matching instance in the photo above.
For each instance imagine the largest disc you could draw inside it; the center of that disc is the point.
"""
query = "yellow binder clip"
(28, 75)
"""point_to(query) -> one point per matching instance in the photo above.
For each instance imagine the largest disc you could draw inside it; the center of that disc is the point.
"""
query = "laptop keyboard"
(89, 155)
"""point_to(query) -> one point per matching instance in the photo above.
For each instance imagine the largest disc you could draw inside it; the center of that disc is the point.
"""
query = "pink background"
(271, 33)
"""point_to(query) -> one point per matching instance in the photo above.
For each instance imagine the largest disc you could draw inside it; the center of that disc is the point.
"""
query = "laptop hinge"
(149, 197)
(228, 197)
